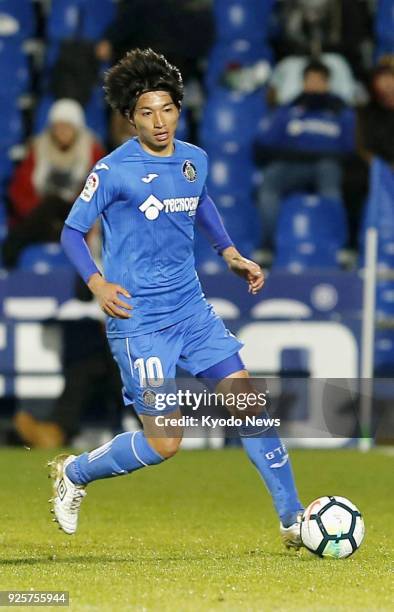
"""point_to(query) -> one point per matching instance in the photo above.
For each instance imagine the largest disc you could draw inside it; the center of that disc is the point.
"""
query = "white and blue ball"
(332, 526)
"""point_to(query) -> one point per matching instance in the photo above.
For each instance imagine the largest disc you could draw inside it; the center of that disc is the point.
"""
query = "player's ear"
(129, 118)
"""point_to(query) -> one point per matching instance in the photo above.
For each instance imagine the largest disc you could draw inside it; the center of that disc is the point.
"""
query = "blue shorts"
(148, 363)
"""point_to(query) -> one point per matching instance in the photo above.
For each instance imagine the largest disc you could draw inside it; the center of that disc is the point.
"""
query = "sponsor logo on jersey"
(92, 182)
(149, 178)
(189, 171)
(152, 207)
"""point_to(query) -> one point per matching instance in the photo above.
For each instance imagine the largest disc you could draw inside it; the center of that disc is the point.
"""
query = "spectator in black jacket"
(376, 124)
(307, 140)
(182, 31)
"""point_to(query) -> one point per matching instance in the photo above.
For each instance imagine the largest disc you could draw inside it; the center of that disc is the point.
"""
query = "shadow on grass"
(60, 559)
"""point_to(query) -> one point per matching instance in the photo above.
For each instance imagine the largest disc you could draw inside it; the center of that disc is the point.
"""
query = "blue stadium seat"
(18, 19)
(11, 126)
(14, 68)
(240, 53)
(63, 19)
(242, 19)
(384, 28)
(182, 131)
(231, 116)
(386, 254)
(311, 219)
(96, 114)
(43, 258)
(94, 21)
(79, 18)
(304, 256)
(3, 222)
(385, 299)
(229, 174)
(41, 113)
(6, 168)
(384, 352)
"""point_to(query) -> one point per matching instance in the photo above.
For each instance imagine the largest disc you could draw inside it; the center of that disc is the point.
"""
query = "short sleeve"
(98, 193)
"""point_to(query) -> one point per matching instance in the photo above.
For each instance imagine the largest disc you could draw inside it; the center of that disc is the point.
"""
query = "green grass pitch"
(196, 533)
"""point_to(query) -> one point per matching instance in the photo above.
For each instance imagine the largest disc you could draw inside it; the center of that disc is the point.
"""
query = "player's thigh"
(147, 366)
(206, 342)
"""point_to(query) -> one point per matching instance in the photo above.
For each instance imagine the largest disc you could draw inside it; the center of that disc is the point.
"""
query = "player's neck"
(166, 151)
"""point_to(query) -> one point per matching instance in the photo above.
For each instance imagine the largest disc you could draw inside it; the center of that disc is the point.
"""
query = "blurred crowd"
(292, 99)
(287, 97)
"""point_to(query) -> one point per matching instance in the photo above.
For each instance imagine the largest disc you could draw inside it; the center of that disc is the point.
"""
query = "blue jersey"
(147, 206)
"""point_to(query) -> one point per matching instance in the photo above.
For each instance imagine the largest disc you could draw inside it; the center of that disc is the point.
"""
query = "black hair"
(316, 66)
(139, 71)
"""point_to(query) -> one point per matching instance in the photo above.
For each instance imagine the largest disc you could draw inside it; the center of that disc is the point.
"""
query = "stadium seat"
(182, 131)
(11, 126)
(3, 222)
(14, 68)
(385, 299)
(17, 20)
(6, 168)
(229, 174)
(242, 19)
(240, 53)
(79, 18)
(384, 28)
(96, 114)
(311, 219)
(94, 22)
(231, 117)
(384, 352)
(63, 19)
(305, 255)
(43, 258)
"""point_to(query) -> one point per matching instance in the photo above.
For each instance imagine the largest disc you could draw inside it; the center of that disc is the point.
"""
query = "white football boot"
(291, 536)
(67, 496)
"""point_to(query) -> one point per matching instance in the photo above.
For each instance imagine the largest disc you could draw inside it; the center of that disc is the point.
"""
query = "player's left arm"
(208, 218)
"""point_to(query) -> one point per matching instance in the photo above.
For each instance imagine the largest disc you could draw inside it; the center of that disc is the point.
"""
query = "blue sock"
(270, 457)
(126, 453)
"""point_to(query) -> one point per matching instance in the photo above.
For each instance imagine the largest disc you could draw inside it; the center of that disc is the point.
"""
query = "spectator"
(313, 27)
(47, 182)
(182, 31)
(308, 137)
(376, 120)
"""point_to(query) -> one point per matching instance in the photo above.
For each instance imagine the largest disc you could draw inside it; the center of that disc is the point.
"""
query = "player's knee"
(166, 447)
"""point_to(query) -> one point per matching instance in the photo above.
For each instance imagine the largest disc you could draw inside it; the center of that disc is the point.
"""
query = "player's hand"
(245, 268)
(107, 297)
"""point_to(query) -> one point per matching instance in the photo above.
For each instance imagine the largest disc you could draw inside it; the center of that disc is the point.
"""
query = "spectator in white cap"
(47, 182)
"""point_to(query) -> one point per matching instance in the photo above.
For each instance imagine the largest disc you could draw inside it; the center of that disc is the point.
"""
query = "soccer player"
(149, 192)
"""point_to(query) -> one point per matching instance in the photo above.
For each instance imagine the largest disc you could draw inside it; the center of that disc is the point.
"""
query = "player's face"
(155, 119)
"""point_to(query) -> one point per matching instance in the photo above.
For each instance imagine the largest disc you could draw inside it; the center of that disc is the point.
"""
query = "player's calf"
(166, 447)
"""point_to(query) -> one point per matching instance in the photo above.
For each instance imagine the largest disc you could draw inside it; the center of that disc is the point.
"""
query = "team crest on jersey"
(92, 182)
(149, 397)
(189, 171)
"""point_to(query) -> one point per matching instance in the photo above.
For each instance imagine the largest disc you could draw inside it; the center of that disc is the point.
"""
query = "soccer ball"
(332, 526)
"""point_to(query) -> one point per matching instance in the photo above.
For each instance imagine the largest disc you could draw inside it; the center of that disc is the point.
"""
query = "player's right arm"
(97, 194)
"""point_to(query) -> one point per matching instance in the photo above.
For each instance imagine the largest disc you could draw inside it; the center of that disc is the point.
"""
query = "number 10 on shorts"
(150, 371)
